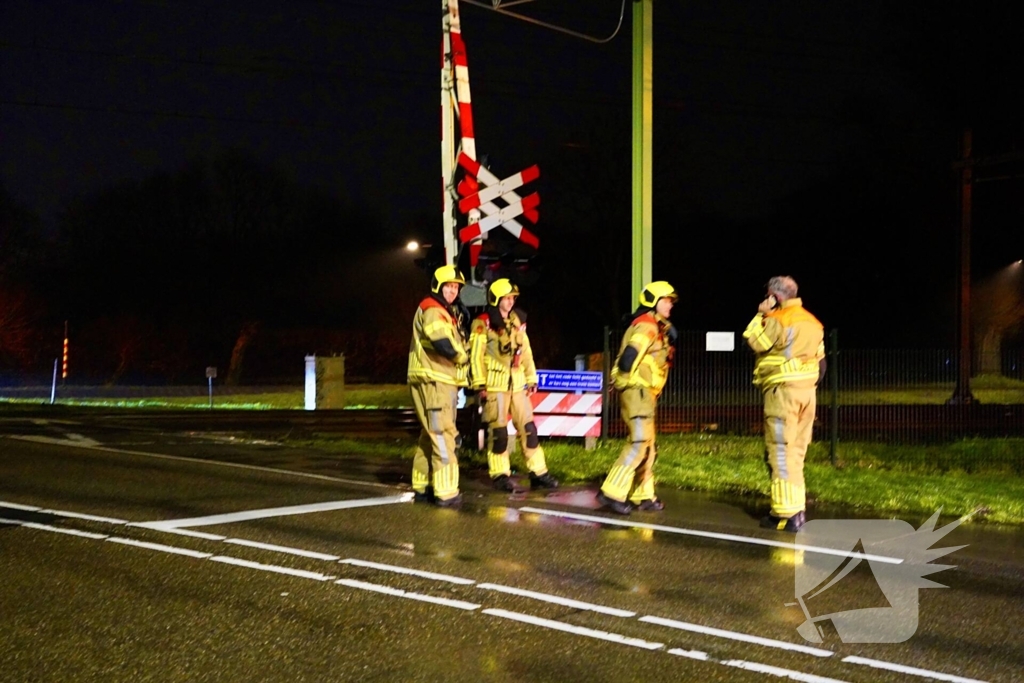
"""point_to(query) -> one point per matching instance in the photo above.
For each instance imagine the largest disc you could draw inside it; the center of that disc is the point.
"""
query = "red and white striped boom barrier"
(564, 414)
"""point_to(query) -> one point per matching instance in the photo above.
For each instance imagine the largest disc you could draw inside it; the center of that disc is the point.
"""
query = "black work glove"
(672, 334)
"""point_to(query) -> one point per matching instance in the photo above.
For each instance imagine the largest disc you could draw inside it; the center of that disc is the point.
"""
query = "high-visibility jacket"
(437, 352)
(789, 343)
(500, 360)
(648, 334)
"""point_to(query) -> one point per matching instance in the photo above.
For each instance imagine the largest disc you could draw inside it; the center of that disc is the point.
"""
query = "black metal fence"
(895, 396)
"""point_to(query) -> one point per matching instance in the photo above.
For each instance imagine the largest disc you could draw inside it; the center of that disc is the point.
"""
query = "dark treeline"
(221, 263)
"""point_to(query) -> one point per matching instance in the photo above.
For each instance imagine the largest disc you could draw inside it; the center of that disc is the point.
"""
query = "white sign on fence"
(721, 341)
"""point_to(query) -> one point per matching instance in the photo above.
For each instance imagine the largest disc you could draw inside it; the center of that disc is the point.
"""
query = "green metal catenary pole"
(643, 136)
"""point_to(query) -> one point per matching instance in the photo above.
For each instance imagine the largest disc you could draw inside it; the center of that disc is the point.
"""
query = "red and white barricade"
(564, 414)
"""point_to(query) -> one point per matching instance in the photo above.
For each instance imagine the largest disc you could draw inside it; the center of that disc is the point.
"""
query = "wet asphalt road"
(87, 596)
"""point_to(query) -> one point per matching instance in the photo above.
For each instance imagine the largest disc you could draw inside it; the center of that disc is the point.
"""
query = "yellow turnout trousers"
(435, 407)
(632, 476)
(497, 408)
(788, 427)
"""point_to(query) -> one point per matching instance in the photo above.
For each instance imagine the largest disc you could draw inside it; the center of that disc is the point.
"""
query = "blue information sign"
(565, 380)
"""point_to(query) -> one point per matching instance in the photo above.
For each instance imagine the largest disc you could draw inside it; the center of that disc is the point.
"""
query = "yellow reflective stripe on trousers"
(618, 483)
(446, 481)
(498, 464)
(787, 499)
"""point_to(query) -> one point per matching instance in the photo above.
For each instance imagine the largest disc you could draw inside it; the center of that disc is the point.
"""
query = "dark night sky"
(758, 107)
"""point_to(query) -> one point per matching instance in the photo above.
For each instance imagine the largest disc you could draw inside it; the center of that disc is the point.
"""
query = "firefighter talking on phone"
(789, 346)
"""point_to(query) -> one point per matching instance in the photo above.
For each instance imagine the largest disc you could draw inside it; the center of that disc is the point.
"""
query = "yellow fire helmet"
(657, 290)
(443, 275)
(501, 288)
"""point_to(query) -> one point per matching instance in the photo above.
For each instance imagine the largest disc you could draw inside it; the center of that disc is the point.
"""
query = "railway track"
(923, 422)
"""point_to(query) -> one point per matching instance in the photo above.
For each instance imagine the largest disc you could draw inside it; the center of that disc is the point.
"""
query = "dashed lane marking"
(576, 604)
(59, 530)
(910, 670)
(283, 549)
(173, 550)
(410, 572)
(515, 616)
(398, 593)
(778, 671)
(301, 573)
(690, 654)
(735, 635)
(577, 630)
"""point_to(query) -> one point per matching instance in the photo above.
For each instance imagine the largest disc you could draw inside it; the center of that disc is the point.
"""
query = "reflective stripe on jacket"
(650, 369)
(431, 324)
(789, 342)
(500, 360)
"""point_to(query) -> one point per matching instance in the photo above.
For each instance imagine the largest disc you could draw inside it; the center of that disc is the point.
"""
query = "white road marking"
(735, 635)
(575, 604)
(160, 547)
(17, 506)
(458, 604)
(155, 526)
(283, 549)
(59, 530)
(714, 535)
(777, 671)
(201, 461)
(913, 671)
(317, 576)
(79, 515)
(410, 572)
(577, 630)
(247, 515)
(80, 442)
(546, 623)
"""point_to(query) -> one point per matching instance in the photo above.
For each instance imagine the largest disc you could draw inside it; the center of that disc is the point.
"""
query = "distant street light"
(413, 245)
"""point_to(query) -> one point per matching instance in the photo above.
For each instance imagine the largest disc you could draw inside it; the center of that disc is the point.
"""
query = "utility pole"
(643, 137)
(962, 393)
(967, 165)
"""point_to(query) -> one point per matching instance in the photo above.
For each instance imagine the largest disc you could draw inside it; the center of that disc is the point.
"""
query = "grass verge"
(356, 396)
(870, 478)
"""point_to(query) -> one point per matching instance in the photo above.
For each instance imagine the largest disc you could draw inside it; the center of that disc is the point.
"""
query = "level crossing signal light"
(64, 366)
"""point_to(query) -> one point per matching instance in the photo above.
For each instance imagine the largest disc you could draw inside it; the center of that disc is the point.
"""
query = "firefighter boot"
(503, 482)
(450, 502)
(543, 481)
(615, 506)
(790, 524)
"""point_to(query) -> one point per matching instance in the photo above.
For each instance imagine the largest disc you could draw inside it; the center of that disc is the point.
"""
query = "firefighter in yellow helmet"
(639, 374)
(789, 344)
(438, 366)
(503, 372)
